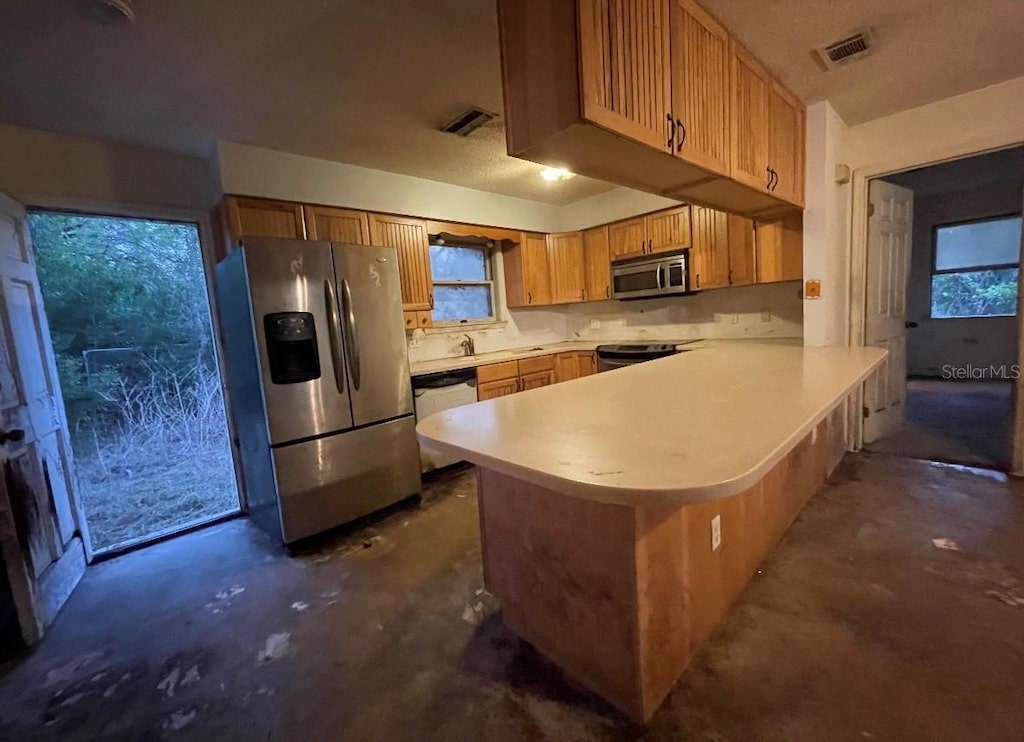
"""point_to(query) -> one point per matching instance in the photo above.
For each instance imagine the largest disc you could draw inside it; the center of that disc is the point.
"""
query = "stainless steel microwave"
(652, 275)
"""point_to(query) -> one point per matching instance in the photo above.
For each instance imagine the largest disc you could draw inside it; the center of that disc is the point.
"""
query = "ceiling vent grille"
(469, 122)
(846, 50)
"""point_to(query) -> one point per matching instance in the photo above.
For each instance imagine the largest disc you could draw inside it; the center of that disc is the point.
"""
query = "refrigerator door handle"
(334, 333)
(351, 334)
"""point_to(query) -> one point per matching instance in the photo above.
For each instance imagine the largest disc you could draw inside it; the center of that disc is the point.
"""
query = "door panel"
(40, 517)
(337, 225)
(597, 263)
(565, 258)
(537, 379)
(536, 270)
(627, 239)
(890, 229)
(409, 237)
(378, 365)
(624, 65)
(742, 268)
(495, 389)
(261, 217)
(785, 144)
(710, 253)
(566, 367)
(700, 87)
(669, 230)
(293, 276)
(749, 120)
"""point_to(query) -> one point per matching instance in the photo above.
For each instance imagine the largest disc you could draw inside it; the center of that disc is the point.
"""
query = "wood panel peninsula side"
(600, 499)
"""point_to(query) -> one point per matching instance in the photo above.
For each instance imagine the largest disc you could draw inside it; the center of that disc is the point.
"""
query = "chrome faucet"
(468, 346)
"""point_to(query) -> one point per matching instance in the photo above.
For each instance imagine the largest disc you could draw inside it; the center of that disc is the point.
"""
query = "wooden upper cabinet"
(742, 265)
(668, 230)
(409, 236)
(565, 261)
(624, 67)
(337, 225)
(597, 264)
(709, 267)
(780, 249)
(786, 145)
(261, 217)
(627, 239)
(700, 87)
(527, 272)
(751, 91)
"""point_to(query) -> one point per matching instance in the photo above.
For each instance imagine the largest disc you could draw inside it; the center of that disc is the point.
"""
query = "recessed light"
(555, 173)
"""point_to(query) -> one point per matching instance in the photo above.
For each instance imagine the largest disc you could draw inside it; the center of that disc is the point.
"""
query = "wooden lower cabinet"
(495, 389)
(566, 367)
(586, 363)
(537, 380)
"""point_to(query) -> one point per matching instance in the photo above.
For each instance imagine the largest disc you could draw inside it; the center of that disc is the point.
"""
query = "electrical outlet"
(595, 324)
(716, 532)
(734, 319)
(766, 315)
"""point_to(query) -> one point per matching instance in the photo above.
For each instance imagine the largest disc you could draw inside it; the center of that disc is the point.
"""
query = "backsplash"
(769, 310)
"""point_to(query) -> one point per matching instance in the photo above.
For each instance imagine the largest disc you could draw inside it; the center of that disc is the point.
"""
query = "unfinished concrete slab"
(893, 609)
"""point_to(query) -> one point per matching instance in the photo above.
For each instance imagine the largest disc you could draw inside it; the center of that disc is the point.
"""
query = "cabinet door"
(624, 67)
(786, 144)
(337, 225)
(494, 389)
(537, 380)
(627, 239)
(700, 87)
(586, 363)
(565, 261)
(261, 217)
(780, 249)
(668, 230)
(566, 367)
(409, 236)
(597, 264)
(741, 251)
(710, 253)
(751, 88)
(527, 274)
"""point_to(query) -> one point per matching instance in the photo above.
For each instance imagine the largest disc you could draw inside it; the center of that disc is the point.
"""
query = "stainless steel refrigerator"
(318, 381)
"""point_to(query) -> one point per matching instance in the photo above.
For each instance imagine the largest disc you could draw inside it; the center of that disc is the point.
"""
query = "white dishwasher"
(438, 392)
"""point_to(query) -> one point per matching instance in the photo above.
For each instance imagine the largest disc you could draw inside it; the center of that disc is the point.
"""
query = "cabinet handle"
(682, 138)
(776, 183)
(431, 301)
(671, 131)
(607, 292)
(698, 280)
(583, 294)
(730, 276)
(768, 185)
(529, 298)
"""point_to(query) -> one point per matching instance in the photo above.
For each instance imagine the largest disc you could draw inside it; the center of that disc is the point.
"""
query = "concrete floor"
(962, 422)
(858, 627)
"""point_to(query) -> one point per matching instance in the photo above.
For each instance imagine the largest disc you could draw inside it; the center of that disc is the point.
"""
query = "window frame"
(488, 282)
(935, 271)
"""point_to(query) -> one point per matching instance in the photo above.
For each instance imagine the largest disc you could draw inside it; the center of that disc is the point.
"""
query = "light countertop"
(696, 426)
(420, 368)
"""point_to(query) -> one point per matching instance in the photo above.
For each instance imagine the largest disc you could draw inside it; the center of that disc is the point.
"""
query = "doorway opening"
(958, 327)
(129, 318)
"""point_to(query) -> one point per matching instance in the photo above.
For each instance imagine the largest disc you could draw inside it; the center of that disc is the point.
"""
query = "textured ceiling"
(366, 83)
(369, 82)
(925, 50)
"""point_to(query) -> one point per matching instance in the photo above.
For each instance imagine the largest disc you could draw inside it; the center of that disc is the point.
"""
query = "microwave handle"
(658, 274)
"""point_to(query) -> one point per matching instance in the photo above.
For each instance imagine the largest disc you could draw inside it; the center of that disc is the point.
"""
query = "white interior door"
(890, 230)
(40, 526)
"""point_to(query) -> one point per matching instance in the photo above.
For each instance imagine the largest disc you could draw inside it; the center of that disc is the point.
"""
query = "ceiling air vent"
(846, 50)
(468, 122)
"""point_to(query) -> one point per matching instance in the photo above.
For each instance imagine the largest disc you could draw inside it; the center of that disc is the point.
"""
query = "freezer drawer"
(330, 481)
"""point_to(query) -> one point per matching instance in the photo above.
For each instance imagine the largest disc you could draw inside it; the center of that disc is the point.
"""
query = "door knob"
(12, 436)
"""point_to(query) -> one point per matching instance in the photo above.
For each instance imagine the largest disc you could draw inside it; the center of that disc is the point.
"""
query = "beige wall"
(43, 168)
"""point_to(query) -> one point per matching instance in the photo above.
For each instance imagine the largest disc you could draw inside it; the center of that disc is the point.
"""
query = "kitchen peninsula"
(623, 512)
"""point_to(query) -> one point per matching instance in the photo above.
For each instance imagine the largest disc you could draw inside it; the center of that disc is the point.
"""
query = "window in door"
(463, 283)
(130, 321)
(975, 268)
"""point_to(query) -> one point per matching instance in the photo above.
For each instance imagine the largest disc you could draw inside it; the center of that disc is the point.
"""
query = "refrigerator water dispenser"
(291, 347)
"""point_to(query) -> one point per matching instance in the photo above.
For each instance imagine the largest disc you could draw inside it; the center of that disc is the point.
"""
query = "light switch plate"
(716, 532)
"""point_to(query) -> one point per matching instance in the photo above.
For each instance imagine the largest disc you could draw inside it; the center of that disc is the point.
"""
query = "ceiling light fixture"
(552, 174)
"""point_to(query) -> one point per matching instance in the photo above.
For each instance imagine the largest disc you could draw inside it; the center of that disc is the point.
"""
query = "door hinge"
(866, 411)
